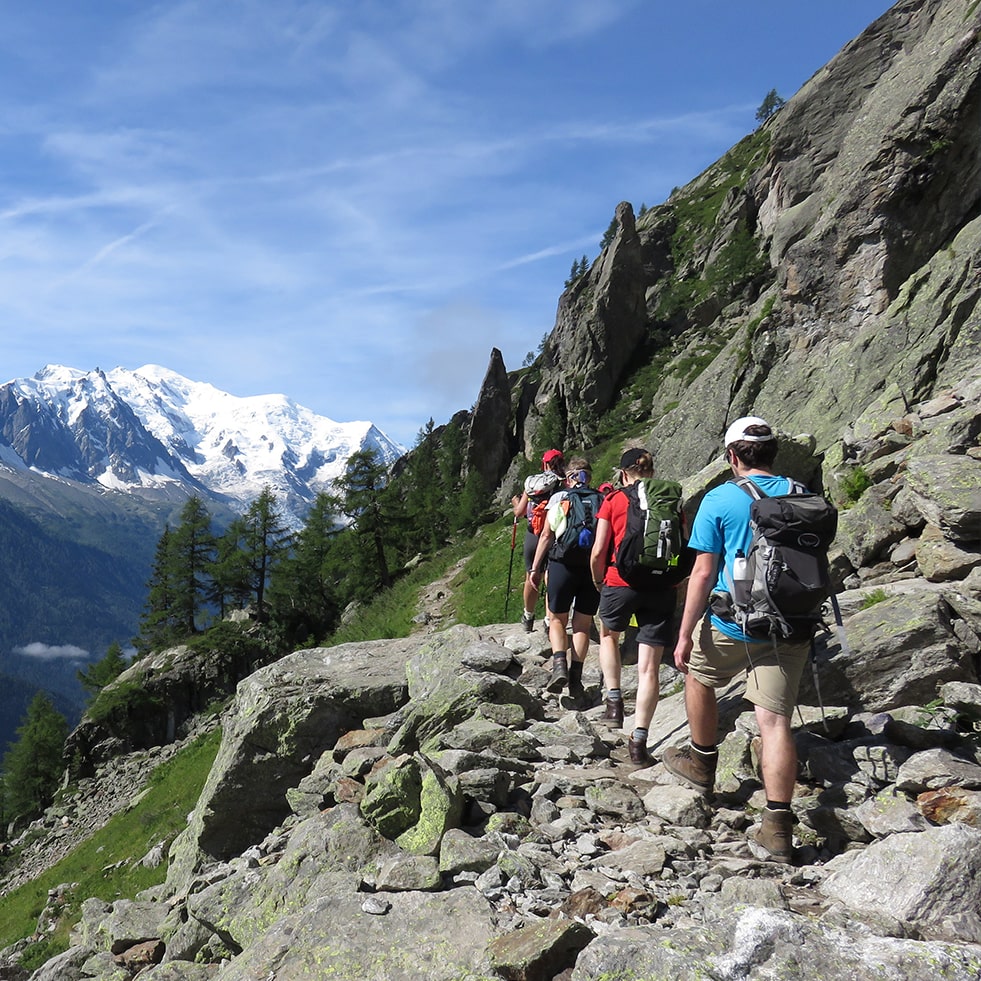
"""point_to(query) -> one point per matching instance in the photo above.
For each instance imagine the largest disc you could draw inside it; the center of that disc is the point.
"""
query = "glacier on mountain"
(151, 429)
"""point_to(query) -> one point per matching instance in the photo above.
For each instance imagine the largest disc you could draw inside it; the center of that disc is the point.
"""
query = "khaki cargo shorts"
(773, 671)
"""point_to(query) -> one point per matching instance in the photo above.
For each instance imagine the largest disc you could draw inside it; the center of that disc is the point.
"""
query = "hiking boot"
(613, 716)
(576, 689)
(560, 674)
(693, 768)
(774, 838)
(527, 621)
(639, 755)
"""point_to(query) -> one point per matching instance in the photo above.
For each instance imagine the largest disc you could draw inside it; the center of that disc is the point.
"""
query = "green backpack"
(653, 550)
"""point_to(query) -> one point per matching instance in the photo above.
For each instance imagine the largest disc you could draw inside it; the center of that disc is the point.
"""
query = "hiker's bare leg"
(703, 712)
(530, 594)
(557, 635)
(582, 623)
(779, 755)
(609, 656)
(648, 689)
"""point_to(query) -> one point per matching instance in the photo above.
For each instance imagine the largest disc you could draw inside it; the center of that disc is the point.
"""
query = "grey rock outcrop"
(284, 716)
(572, 862)
(854, 213)
(489, 443)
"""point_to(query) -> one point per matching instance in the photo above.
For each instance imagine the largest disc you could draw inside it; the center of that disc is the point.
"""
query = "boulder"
(753, 942)
(899, 652)
(946, 489)
(441, 937)
(283, 718)
(930, 881)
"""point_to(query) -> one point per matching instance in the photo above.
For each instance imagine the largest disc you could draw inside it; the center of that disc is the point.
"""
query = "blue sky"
(352, 202)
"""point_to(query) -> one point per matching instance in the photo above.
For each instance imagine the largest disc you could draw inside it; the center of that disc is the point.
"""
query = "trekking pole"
(514, 538)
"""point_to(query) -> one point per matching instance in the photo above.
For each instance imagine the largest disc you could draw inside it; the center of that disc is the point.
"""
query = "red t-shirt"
(614, 510)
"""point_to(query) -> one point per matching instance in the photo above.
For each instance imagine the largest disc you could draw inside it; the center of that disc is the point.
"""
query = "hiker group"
(753, 573)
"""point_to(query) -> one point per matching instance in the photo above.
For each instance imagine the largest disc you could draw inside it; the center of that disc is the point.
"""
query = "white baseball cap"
(737, 431)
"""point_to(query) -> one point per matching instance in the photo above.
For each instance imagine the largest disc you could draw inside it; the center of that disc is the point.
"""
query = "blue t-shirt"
(721, 527)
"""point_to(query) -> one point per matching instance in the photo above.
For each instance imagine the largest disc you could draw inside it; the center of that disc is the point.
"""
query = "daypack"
(575, 540)
(536, 520)
(778, 589)
(653, 550)
(540, 488)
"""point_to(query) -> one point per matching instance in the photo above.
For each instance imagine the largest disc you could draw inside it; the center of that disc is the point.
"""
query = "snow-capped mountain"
(154, 432)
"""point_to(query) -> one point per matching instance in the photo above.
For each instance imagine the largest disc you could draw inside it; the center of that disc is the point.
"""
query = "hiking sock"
(778, 805)
(704, 750)
(575, 671)
(639, 736)
(614, 695)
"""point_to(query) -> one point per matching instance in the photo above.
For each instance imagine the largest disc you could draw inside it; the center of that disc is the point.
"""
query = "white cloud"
(312, 197)
(49, 652)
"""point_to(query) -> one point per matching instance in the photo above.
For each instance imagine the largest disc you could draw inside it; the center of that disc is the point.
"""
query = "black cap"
(631, 458)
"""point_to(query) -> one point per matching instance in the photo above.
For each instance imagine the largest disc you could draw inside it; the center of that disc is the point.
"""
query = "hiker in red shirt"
(653, 608)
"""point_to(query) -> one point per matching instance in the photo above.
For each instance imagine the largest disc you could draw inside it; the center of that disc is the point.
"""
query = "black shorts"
(655, 612)
(567, 584)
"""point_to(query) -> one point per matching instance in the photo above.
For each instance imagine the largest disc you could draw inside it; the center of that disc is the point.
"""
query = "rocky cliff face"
(831, 256)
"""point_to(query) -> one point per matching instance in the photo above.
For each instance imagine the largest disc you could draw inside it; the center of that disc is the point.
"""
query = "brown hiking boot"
(695, 769)
(613, 716)
(560, 674)
(638, 752)
(774, 838)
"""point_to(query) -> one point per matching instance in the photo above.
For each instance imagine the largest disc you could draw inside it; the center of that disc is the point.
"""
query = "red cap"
(549, 455)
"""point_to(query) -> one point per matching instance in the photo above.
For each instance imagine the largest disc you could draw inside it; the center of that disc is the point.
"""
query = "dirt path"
(434, 600)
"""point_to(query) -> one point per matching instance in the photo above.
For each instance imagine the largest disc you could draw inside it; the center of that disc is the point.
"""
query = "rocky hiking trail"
(482, 828)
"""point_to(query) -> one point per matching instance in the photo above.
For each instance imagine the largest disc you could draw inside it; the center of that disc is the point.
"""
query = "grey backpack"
(778, 589)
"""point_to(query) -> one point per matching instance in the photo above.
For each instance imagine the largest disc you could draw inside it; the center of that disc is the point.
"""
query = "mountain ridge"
(153, 430)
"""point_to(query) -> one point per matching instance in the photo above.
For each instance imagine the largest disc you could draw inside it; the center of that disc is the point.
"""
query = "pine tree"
(159, 620)
(96, 676)
(266, 543)
(229, 586)
(361, 489)
(609, 234)
(192, 549)
(33, 765)
(473, 501)
(303, 591)
(449, 466)
(425, 511)
(771, 103)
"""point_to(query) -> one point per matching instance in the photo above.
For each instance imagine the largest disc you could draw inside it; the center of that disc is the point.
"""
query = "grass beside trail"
(478, 591)
(106, 866)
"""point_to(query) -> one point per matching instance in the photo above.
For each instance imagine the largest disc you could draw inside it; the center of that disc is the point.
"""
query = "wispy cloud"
(350, 203)
(49, 652)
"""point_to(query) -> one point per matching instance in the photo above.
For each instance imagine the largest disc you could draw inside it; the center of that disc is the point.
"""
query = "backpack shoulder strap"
(750, 486)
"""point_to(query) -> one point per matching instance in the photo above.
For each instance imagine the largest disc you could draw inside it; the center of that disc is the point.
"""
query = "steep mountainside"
(827, 264)
(427, 807)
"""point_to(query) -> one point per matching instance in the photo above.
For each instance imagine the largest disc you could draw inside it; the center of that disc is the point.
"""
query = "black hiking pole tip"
(507, 592)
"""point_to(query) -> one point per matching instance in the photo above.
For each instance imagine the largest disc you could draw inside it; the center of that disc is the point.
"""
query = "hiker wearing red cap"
(531, 504)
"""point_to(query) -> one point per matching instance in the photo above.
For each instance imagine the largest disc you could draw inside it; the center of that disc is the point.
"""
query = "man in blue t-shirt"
(711, 649)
